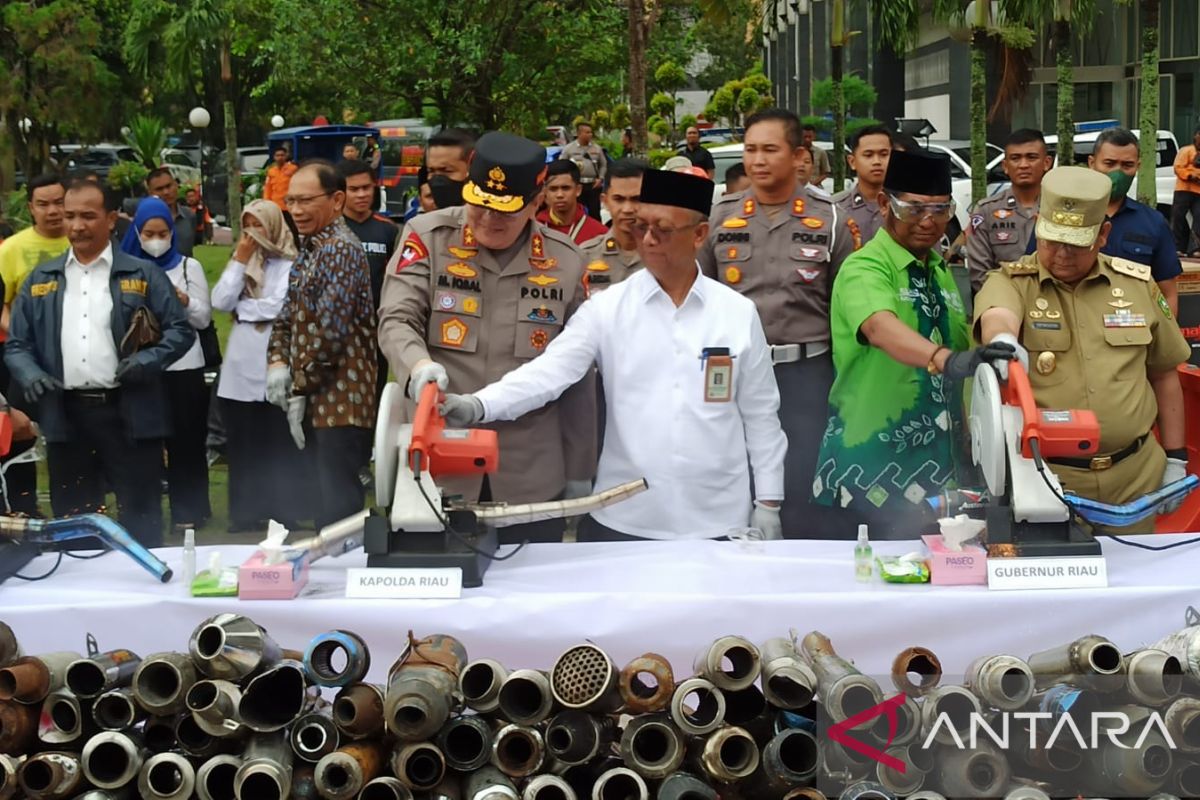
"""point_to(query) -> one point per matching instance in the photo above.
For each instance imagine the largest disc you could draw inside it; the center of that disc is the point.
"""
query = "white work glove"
(461, 410)
(279, 385)
(430, 372)
(295, 418)
(577, 489)
(1022, 354)
(766, 519)
(1175, 470)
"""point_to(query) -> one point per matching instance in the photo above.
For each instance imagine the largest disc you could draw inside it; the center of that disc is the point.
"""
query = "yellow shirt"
(23, 251)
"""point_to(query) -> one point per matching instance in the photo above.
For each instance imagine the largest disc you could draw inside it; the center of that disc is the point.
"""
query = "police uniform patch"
(610, 245)
(539, 339)
(42, 289)
(734, 222)
(471, 305)
(748, 208)
(733, 275)
(809, 275)
(976, 221)
(812, 222)
(1163, 307)
(798, 207)
(543, 263)
(1002, 213)
(731, 252)
(412, 251)
(597, 266)
(462, 252)
(542, 314)
(810, 252)
(855, 233)
(446, 301)
(468, 237)
(454, 332)
(542, 280)
(462, 270)
(537, 246)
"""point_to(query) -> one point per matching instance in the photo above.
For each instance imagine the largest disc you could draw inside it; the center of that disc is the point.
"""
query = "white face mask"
(155, 247)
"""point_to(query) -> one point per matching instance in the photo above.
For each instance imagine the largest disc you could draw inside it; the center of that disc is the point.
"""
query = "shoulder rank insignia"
(735, 222)
(1130, 268)
(748, 207)
(610, 245)
(537, 246)
(855, 233)
(798, 207)
(1018, 268)
(468, 237)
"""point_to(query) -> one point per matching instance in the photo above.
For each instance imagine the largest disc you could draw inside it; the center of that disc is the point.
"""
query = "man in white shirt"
(97, 385)
(692, 404)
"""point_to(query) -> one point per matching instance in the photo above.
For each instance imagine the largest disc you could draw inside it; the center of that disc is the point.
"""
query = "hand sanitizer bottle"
(189, 559)
(863, 557)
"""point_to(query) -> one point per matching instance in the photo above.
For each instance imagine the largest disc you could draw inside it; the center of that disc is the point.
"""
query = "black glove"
(41, 386)
(130, 371)
(962, 364)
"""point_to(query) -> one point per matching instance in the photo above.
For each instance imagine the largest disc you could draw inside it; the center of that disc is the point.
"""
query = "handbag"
(210, 346)
(144, 331)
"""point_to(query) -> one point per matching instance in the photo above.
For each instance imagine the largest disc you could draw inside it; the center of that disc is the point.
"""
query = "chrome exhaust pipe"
(466, 743)
(652, 747)
(214, 704)
(91, 677)
(954, 704)
(575, 737)
(385, 789)
(866, 790)
(489, 783)
(161, 682)
(117, 711)
(900, 783)
(314, 736)
(342, 774)
(1136, 762)
(742, 656)
(197, 742)
(790, 759)
(1183, 723)
(622, 783)
(526, 697)
(1152, 677)
(232, 647)
(697, 707)
(981, 772)
(1090, 661)
(841, 689)
(727, 755)
(419, 765)
(358, 711)
(685, 786)
(1002, 682)
(323, 649)
(518, 750)
(548, 787)
(787, 681)
(266, 770)
(111, 760)
(167, 776)
(158, 734)
(502, 514)
(585, 677)
(215, 777)
(480, 684)
(276, 698)
(421, 686)
(646, 684)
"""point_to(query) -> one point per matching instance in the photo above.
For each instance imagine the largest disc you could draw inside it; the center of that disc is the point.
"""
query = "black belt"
(92, 397)
(1100, 463)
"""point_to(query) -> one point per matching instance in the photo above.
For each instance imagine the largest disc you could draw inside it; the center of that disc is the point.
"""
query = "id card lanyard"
(717, 364)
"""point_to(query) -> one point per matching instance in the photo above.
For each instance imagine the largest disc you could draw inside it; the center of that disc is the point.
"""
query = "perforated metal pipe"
(585, 677)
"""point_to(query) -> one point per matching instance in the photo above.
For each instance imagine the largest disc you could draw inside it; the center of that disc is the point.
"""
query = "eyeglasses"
(302, 202)
(657, 232)
(915, 212)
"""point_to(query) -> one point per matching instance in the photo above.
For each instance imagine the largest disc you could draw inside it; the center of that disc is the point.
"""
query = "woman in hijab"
(151, 237)
(268, 477)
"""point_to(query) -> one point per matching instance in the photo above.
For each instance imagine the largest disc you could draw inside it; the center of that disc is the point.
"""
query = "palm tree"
(1147, 191)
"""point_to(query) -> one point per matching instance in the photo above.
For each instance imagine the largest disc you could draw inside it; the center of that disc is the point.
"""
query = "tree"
(1147, 191)
(147, 137)
(858, 96)
(620, 116)
(663, 105)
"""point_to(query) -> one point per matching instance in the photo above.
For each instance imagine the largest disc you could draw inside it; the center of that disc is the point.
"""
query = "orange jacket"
(1185, 167)
(278, 180)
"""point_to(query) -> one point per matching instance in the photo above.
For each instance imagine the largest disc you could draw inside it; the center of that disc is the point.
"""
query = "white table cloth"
(629, 598)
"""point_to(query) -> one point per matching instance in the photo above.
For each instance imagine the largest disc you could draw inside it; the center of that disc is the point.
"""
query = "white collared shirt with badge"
(666, 421)
(89, 354)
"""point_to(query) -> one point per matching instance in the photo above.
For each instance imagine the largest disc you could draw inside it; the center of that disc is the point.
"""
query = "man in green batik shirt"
(901, 347)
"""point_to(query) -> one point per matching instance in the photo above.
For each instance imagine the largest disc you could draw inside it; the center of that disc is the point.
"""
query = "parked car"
(1164, 166)
(99, 158)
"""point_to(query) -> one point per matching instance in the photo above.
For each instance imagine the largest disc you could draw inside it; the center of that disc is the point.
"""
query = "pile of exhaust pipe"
(238, 717)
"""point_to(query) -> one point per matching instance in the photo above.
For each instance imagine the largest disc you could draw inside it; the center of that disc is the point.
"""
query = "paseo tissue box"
(258, 580)
(955, 567)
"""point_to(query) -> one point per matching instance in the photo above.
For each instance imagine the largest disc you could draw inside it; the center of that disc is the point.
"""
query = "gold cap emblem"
(496, 178)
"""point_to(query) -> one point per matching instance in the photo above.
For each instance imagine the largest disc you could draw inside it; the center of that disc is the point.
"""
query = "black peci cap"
(506, 171)
(679, 189)
(918, 172)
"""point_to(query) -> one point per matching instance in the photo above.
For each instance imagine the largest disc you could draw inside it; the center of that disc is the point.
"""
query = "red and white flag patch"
(412, 251)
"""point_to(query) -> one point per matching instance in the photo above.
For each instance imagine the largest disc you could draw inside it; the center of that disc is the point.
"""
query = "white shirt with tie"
(696, 455)
(89, 355)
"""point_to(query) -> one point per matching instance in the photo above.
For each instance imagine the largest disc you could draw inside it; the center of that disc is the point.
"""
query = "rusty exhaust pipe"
(18, 727)
(30, 679)
(697, 707)
(526, 697)
(385, 789)
(1003, 682)
(231, 647)
(466, 742)
(8, 774)
(214, 704)
(421, 686)
(50, 776)
(276, 697)
(480, 684)
(314, 736)
(358, 711)
(342, 774)
(167, 776)
(111, 760)
(743, 660)
(920, 662)
(518, 750)
(843, 691)
(215, 777)
(117, 711)
(419, 765)
(575, 737)
(489, 783)
(787, 681)
(161, 682)
(620, 783)
(652, 747)
(91, 677)
(1090, 661)
(10, 649)
(646, 684)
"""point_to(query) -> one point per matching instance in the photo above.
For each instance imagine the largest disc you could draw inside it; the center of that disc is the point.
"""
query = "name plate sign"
(380, 583)
(1060, 572)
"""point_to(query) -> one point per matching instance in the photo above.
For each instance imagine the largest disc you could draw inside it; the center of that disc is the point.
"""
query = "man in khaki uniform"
(1099, 335)
(475, 292)
(613, 257)
(1002, 225)
(781, 245)
(870, 151)
(592, 163)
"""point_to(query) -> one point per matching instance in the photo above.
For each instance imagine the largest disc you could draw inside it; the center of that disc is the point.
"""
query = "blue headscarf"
(150, 208)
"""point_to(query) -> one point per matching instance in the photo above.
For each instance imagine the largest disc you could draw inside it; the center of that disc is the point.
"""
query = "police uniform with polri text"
(863, 216)
(607, 263)
(785, 259)
(1000, 229)
(1093, 345)
(481, 314)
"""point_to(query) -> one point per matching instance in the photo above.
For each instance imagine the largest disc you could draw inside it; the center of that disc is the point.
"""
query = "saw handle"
(433, 448)
(1060, 433)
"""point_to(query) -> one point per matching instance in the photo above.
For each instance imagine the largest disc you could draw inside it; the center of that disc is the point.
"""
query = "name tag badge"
(718, 375)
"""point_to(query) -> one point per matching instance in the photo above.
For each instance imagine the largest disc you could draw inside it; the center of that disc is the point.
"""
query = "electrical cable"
(44, 575)
(458, 536)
